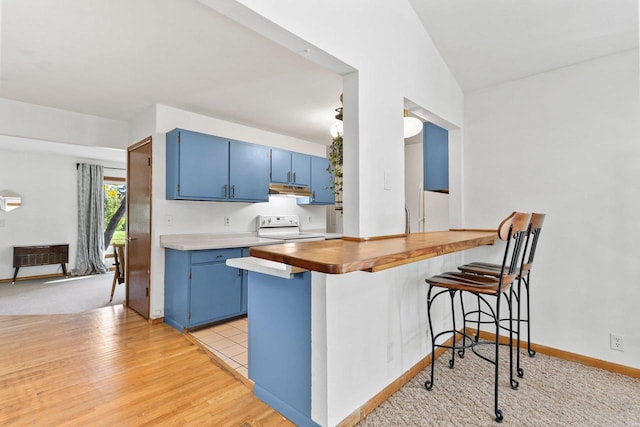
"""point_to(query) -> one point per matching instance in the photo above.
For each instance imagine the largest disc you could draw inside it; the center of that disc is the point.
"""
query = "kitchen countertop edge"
(204, 241)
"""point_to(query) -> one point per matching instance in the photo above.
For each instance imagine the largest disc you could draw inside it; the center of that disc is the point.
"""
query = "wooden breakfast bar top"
(347, 255)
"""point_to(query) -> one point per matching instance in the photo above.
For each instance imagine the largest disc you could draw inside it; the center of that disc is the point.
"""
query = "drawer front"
(217, 255)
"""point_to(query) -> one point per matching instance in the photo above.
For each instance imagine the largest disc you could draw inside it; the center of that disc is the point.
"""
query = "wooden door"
(138, 271)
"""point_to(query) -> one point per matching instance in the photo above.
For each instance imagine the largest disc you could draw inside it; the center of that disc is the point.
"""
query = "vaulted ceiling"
(116, 58)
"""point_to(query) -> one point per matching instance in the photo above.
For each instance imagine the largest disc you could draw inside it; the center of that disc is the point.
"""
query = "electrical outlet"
(227, 221)
(616, 342)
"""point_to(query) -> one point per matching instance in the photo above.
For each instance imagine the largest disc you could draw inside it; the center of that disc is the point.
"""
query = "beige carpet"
(59, 295)
(553, 392)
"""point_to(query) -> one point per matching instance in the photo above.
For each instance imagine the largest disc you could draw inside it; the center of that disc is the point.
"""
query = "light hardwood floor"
(110, 367)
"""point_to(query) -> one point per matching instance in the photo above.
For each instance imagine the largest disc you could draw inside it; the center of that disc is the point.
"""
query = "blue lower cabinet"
(280, 343)
(200, 288)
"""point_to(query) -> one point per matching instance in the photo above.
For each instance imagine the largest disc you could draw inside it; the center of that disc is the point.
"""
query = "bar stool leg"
(429, 383)
(452, 361)
(527, 282)
(519, 370)
(464, 329)
(511, 299)
(497, 411)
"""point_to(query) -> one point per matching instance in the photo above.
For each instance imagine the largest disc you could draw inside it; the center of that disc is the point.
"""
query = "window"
(115, 191)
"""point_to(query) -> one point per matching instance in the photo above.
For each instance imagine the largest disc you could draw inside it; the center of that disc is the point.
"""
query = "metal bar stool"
(489, 269)
(513, 230)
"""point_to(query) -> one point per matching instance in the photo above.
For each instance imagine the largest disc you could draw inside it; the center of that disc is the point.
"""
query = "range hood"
(288, 190)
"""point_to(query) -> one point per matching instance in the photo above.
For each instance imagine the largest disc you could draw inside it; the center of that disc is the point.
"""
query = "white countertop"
(264, 266)
(201, 241)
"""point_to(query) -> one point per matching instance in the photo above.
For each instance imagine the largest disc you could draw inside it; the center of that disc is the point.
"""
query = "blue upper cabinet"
(290, 168)
(207, 167)
(186, 178)
(248, 172)
(300, 169)
(280, 166)
(321, 193)
(435, 158)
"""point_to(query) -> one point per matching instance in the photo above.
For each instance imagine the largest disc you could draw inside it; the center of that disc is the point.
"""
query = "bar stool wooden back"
(513, 230)
(489, 269)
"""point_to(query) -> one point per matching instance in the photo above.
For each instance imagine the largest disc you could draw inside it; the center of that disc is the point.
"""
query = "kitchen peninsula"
(324, 342)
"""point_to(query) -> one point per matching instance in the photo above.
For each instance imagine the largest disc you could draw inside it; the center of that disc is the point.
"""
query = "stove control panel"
(272, 221)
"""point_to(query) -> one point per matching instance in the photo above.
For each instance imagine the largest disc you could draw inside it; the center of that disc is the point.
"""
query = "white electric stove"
(284, 227)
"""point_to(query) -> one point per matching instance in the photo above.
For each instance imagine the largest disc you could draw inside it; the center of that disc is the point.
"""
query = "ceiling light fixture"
(336, 129)
(412, 125)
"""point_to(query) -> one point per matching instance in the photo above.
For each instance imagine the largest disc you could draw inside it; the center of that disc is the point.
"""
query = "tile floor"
(228, 341)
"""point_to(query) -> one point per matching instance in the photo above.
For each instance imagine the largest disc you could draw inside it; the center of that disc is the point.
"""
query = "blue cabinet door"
(216, 292)
(200, 288)
(248, 172)
(435, 158)
(197, 166)
(300, 169)
(321, 194)
(280, 166)
(176, 288)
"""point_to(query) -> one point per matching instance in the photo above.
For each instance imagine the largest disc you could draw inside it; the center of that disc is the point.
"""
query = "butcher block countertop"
(347, 255)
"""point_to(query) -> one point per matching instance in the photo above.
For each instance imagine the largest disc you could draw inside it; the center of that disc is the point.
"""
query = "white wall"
(47, 183)
(207, 217)
(397, 63)
(566, 143)
(413, 178)
(372, 328)
(394, 59)
(52, 124)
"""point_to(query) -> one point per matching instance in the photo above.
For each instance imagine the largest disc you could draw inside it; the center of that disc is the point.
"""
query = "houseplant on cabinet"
(335, 169)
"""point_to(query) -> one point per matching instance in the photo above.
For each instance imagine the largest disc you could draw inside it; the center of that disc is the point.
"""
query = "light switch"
(1, 222)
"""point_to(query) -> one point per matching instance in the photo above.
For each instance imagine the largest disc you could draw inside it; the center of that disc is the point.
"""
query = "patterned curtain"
(90, 251)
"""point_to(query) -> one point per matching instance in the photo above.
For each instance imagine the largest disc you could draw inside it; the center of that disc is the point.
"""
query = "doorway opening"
(115, 204)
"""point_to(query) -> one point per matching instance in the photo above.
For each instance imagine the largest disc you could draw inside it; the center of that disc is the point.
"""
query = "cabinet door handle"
(225, 191)
(288, 177)
(239, 272)
(294, 177)
(233, 191)
(313, 196)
